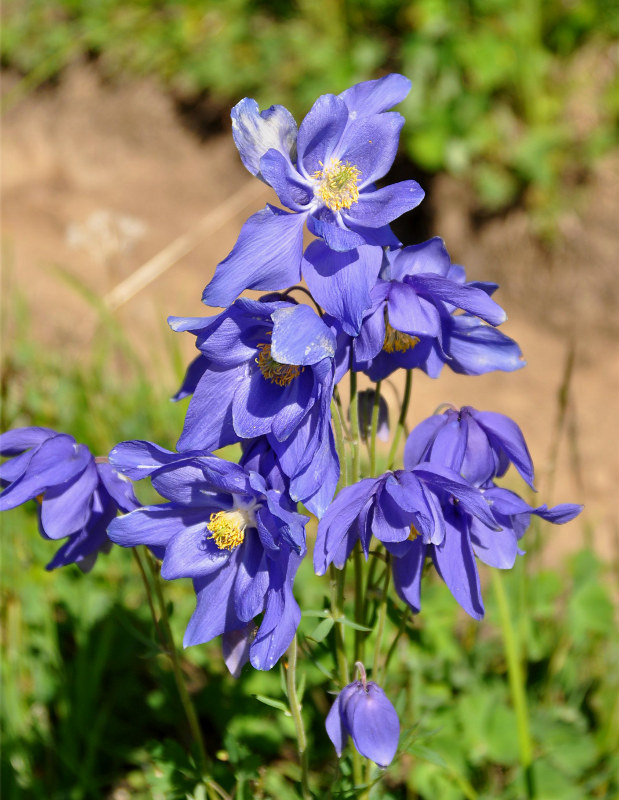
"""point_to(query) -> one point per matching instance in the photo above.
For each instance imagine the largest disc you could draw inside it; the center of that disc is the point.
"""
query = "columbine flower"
(78, 495)
(266, 369)
(396, 508)
(411, 321)
(238, 538)
(325, 175)
(480, 445)
(363, 711)
(466, 537)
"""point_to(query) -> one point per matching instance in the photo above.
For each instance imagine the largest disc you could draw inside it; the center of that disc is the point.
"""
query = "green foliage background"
(517, 96)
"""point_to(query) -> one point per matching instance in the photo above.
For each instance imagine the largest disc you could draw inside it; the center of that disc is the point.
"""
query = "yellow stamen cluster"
(398, 341)
(414, 533)
(337, 184)
(281, 374)
(227, 529)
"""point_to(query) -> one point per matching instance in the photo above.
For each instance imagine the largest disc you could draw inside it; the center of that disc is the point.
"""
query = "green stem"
(397, 637)
(402, 419)
(369, 583)
(339, 442)
(382, 615)
(374, 427)
(336, 584)
(359, 604)
(357, 773)
(172, 652)
(295, 710)
(149, 595)
(354, 426)
(516, 684)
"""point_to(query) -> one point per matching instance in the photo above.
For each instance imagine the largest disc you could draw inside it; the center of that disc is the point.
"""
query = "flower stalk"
(295, 711)
(516, 685)
(374, 428)
(401, 426)
(172, 653)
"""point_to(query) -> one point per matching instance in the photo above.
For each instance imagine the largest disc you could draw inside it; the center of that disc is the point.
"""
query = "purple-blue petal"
(235, 647)
(66, 508)
(475, 348)
(17, 440)
(57, 460)
(292, 190)
(334, 723)
(468, 298)
(255, 132)
(327, 226)
(252, 578)
(300, 336)
(320, 133)
(337, 519)
(372, 97)
(190, 552)
(380, 207)
(282, 614)
(371, 144)
(455, 563)
(150, 525)
(267, 255)
(429, 257)
(407, 571)
(341, 282)
(495, 548)
(421, 438)
(214, 613)
(208, 421)
(255, 403)
(504, 434)
(410, 313)
(138, 459)
(374, 725)
(192, 377)
(15, 467)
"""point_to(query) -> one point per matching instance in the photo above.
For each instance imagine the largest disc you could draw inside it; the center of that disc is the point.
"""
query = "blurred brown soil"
(99, 179)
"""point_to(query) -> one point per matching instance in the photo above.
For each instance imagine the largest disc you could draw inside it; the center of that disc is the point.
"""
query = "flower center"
(398, 341)
(414, 533)
(272, 370)
(336, 184)
(228, 528)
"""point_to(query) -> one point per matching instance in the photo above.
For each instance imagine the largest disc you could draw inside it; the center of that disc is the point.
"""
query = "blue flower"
(480, 445)
(396, 508)
(324, 174)
(467, 537)
(411, 320)
(79, 495)
(266, 369)
(363, 711)
(237, 537)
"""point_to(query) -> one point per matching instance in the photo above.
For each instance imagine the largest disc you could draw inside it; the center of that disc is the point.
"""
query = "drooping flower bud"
(364, 712)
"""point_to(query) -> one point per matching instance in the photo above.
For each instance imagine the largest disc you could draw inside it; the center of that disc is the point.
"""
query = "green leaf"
(350, 624)
(322, 630)
(269, 701)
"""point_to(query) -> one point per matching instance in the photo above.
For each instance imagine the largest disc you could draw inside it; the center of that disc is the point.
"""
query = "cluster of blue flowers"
(265, 376)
